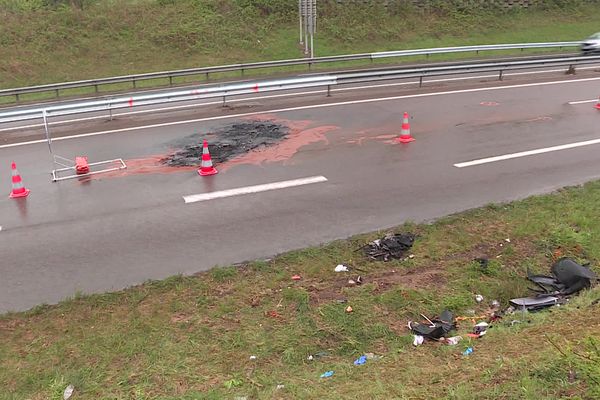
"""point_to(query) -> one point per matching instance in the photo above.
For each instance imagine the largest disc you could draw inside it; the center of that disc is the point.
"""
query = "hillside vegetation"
(45, 41)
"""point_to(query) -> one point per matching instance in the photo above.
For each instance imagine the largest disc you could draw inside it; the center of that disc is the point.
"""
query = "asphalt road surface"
(120, 229)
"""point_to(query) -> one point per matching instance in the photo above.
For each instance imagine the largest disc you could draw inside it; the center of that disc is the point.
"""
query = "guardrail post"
(500, 76)
(309, 66)
(242, 71)
(133, 80)
(207, 76)
(420, 81)
(56, 93)
(224, 100)
(17, 97)
(328, 90)
(110, 112)
(170, 80)
(96, 88)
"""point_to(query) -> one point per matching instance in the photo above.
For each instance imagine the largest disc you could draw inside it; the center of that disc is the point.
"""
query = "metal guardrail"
(56, 87)
(288, 84)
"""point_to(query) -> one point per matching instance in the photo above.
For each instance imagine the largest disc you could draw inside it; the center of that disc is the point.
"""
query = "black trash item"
(569, 278)
(438, 328)
(392, 246)
(535, 303)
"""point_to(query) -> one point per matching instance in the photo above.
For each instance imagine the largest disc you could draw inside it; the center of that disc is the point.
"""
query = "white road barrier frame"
(68, 165)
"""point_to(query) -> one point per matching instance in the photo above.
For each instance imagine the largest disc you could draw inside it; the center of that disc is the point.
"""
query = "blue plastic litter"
(327, 374)
(468, 351)
(361, 360)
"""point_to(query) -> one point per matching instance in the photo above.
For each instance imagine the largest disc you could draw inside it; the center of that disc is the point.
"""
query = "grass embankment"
(192, 337)
(107, 38)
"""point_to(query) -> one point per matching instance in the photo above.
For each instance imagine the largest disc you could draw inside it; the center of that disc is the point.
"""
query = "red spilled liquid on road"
(300, 135)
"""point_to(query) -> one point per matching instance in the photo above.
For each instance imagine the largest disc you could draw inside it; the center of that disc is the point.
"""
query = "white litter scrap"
(68, 392)
(342, 268)
(418, 340)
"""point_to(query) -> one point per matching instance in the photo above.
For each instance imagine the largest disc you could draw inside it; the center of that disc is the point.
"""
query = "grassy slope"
(143, 36)
(191, 338)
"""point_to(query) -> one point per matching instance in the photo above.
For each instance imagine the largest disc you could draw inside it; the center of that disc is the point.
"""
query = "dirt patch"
(226, 143)
(419, 278)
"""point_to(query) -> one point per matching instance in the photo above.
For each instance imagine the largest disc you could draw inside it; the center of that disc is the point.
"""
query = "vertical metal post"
(110, 111)
(305, 9)
(224, 101)
(96, 87)
(47, 130)
(57, 93)
(421, 81)
(300, 18)
(500, 76)
(133, 80)
(170, 80)
(312, 46)
(17, 97)
(328, 90)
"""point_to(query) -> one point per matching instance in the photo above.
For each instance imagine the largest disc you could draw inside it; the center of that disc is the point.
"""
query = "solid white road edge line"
(526, 153)
(253, 189)
(313, 106)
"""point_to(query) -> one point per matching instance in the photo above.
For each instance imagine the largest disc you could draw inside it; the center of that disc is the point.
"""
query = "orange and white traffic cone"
(405, 132)
(597, 106)
(18, 190)
(206, 167)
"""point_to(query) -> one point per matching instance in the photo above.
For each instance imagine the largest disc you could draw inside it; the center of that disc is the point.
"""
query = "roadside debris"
(360, 360)
(68, 392)
(327, 374)
(273, 314)
(279, 387)
(436, 328)
(483, 262)
(318, 355)
(453, 341)
(418, 340)
(568, 278)
(296, 277)
(479, 330)
(391, 246)
(349, 309)
(372, 356)
(468, 351)
(342, 268)
(355, 282)
(478, 298)
(252, 358)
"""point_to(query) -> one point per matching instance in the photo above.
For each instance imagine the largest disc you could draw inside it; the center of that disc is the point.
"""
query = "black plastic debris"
(225, 143)
(435, 328)
(535, 303)
(568, 278)
(483, 262)
(392, 246)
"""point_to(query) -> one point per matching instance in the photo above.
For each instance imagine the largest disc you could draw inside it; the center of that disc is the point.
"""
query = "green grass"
(105, 40)
(192, 337)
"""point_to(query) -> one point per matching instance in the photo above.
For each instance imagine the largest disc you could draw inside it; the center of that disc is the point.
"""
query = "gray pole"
(300, 18)
(305, 14)
(44, 116)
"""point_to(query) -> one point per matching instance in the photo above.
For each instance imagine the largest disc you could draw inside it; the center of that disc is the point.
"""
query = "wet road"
(121, 229)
